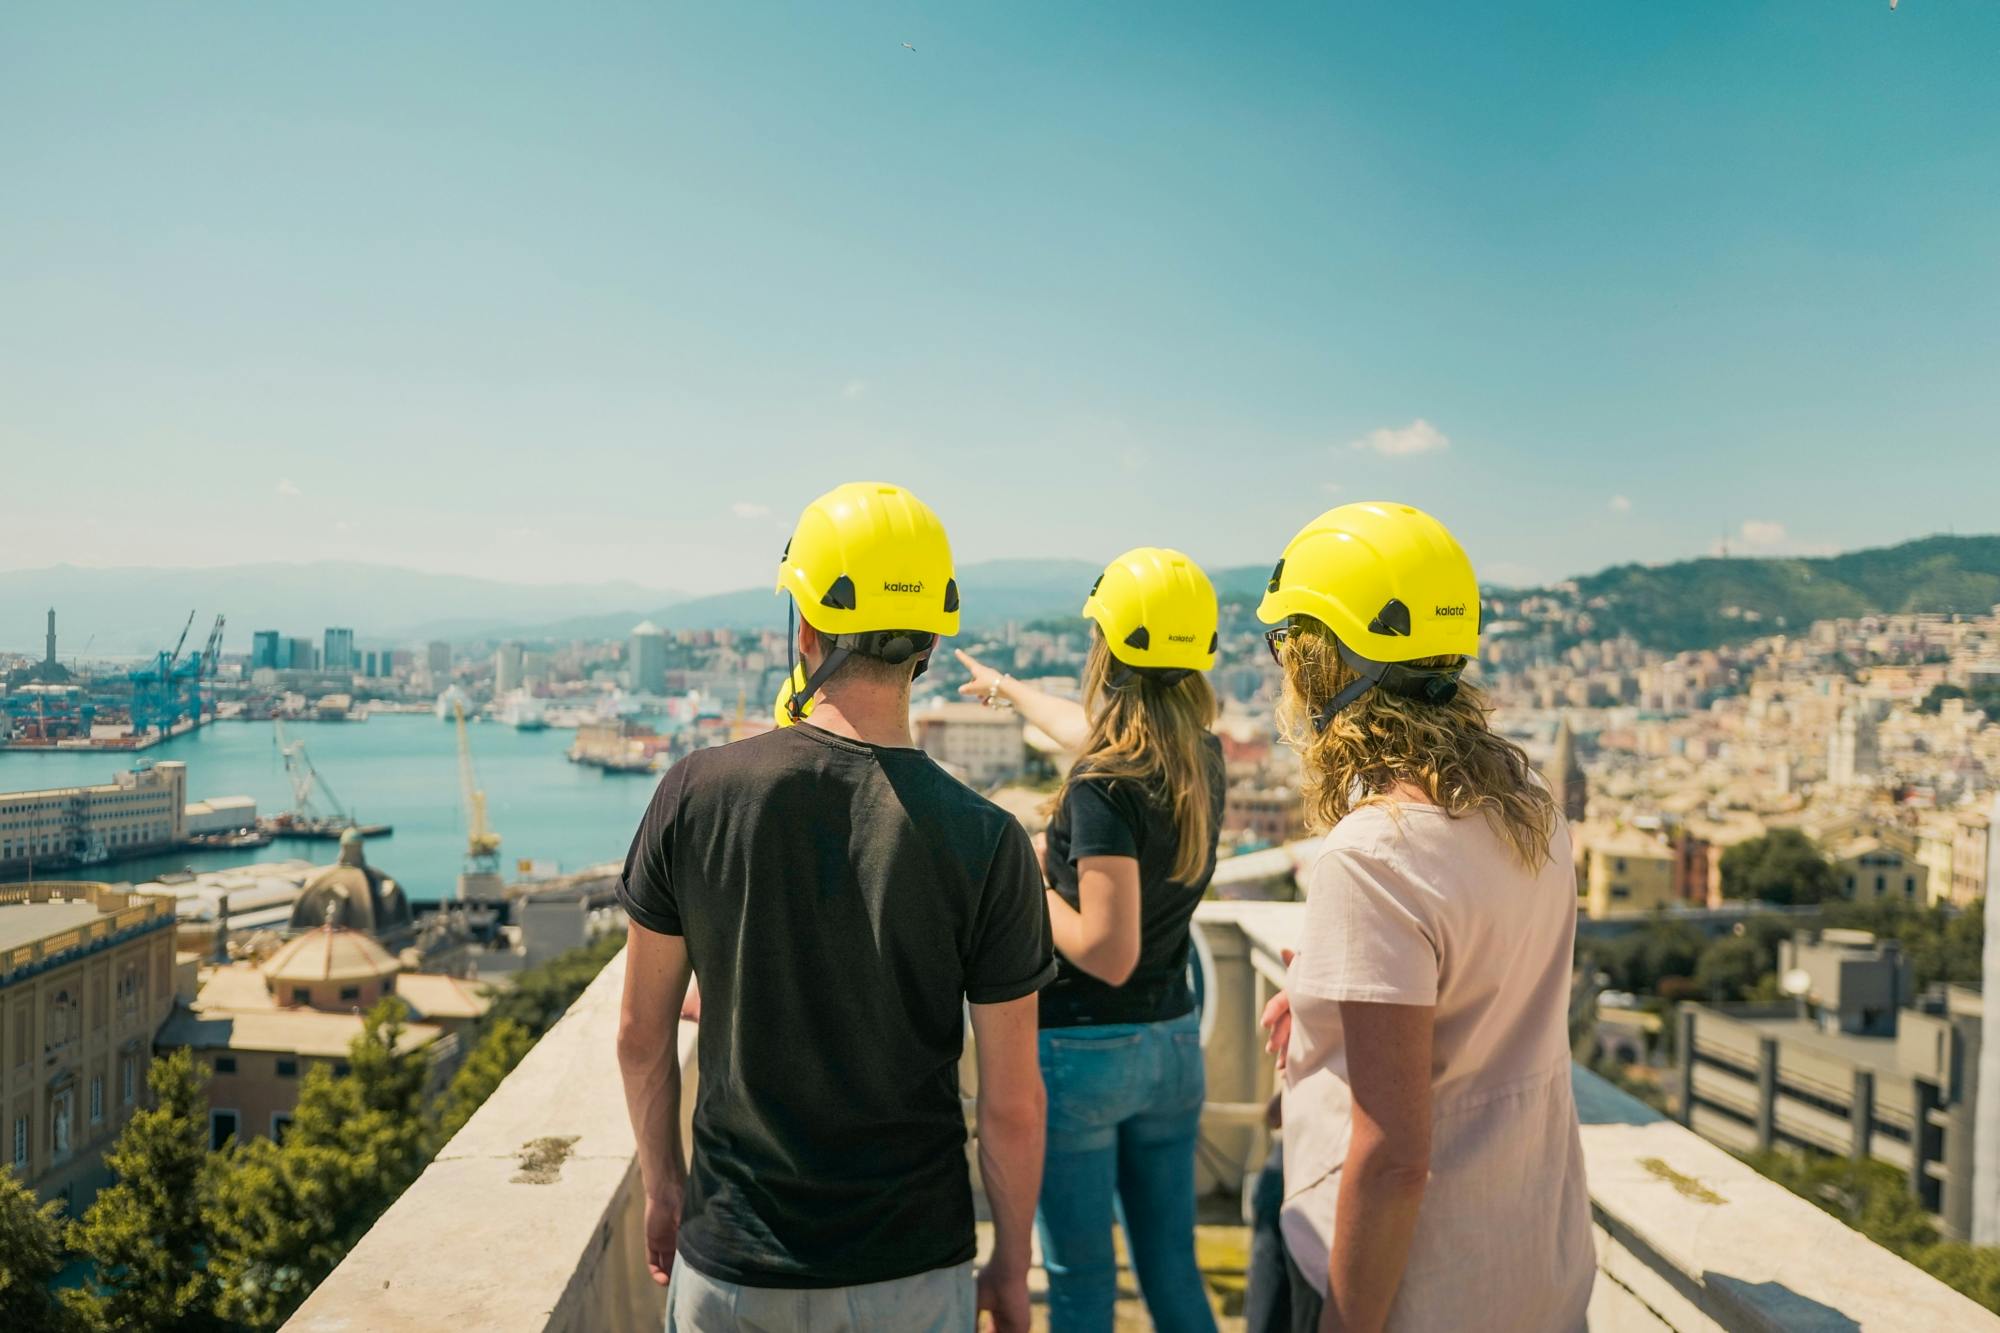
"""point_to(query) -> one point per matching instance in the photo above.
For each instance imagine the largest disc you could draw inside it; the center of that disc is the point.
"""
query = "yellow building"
(1621, 870)
(86, 979)
(1870, 869)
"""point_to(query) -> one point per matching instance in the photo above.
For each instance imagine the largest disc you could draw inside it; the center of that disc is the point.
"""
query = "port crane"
(307, 784)
(167, 691)
(481, 878)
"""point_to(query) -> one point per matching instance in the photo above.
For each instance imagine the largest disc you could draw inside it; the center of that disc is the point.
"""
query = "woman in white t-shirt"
(1433, 1170)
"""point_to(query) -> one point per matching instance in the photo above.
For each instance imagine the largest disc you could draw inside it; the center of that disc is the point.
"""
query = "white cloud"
(1621, 504)
(750, 509)
(287, 489)
(1759, 535)
(854, 388)
(1419, 437)
(1762, 532)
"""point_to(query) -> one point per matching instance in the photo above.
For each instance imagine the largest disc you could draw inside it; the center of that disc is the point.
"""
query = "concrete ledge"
(476, 1243)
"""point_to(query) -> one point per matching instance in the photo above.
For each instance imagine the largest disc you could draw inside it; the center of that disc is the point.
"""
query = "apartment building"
(983, 745)
(140, 809)
(86, 979)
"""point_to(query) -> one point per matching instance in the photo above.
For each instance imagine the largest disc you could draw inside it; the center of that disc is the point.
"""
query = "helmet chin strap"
(889, 646)
(1429, 685)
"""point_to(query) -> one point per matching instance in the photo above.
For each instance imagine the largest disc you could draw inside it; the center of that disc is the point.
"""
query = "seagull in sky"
(908, 47)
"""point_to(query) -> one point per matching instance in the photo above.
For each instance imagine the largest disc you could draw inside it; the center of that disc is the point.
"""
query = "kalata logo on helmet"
(1451, 610)
(1180, 638)
(902, 585)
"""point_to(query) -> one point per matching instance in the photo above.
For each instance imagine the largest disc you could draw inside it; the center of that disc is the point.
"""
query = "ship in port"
(452, 701)
(523, 711)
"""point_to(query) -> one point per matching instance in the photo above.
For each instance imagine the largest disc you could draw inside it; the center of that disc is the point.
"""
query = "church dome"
(329, 954)
(353, 895)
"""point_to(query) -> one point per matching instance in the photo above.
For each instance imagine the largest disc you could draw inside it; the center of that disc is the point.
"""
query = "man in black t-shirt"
(842, 899)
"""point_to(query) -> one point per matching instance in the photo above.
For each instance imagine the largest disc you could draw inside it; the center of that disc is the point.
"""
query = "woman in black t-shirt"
(1131, 846)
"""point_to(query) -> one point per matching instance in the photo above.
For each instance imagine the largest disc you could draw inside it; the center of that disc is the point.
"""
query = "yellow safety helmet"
(1393, 585)
(869, 567)
(1156, 610)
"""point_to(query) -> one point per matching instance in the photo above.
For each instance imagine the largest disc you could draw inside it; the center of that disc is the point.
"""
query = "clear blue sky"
(574, 292)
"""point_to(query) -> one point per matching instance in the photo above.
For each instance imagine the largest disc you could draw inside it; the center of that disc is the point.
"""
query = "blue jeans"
(1124, 1105)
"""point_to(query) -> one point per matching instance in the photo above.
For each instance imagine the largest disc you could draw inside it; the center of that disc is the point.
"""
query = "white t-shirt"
(1411, 906)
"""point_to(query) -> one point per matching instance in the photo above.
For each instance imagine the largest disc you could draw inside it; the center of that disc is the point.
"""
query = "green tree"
(542, 994)
(1942, 943)
(285, 1214)
(1934, 701)
(1729, 968)
(1784, 866)
(145, 1234)
(31, 1253)
(502, 1047)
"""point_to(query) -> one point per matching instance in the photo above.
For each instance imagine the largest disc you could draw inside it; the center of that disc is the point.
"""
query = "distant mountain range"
(1688, 604)
(117, 612)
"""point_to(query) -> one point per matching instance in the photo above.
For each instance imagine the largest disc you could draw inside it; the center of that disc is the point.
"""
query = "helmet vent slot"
(1139, 639)
(951, 595)
(1392, 620)
(1277, 573)
(841, 595)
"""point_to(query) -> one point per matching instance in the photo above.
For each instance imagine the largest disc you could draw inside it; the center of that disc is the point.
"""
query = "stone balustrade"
(530, 1221)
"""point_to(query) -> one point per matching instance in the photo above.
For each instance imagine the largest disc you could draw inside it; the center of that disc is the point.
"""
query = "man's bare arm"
(1013, 1114)
(656, 981)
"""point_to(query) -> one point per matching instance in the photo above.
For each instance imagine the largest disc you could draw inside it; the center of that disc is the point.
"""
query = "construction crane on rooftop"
(481, 877)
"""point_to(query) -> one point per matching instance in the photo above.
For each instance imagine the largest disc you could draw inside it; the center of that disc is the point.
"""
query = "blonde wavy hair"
(1157, 735)
(1381, 740)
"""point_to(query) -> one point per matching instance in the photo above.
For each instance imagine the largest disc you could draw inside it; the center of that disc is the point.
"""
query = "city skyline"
(309, 287)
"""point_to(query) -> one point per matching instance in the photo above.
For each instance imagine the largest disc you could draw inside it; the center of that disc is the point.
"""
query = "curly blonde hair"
(1157, 735)
(1382, 740)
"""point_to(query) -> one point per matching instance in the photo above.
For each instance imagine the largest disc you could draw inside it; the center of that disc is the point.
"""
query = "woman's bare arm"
(1388, 1160)
(1063, 719)
(1102, 937)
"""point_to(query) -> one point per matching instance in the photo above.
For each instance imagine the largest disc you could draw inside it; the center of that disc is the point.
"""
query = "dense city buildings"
(1863, 734)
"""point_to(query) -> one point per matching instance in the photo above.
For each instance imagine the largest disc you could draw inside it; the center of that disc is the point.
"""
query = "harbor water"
(396, 769)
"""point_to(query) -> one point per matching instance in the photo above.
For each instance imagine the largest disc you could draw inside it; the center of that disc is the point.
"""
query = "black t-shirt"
(840, 903)
(1121, 817)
